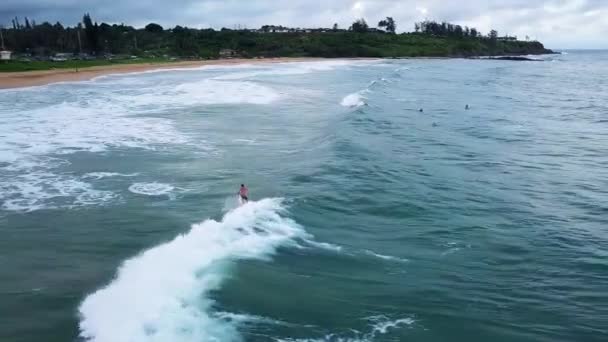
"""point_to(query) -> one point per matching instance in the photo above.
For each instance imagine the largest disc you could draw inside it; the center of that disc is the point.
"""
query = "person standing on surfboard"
(244, 192)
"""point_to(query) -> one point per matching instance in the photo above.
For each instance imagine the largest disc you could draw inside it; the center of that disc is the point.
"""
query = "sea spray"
(161, 294)
(354, 100)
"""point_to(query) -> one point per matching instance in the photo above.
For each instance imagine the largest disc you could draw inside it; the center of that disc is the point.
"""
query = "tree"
(493, 40)
(154, 28)
(91, 31)
(389, 24)
(458, 31)
(382, 23)
(392, 26)
(360, 26)
(433, 39)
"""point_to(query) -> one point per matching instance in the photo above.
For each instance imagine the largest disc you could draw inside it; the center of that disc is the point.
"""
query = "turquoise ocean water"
(370, 220)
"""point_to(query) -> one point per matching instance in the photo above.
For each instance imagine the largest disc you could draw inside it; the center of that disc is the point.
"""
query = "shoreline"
(23, 79)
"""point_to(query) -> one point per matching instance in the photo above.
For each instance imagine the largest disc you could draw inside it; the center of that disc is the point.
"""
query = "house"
(274, 29)
(5, 55)
(228, 53)
(62, 56)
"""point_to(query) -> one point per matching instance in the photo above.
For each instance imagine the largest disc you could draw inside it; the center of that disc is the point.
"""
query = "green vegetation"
(388, 24)
(16, 65)
(352, 44)
(101, 44)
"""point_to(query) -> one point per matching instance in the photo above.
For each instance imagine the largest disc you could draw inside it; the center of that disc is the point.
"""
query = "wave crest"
(353, 100)
(159, 295)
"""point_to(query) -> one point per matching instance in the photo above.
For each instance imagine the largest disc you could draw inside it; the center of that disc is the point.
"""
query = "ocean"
(382, 209)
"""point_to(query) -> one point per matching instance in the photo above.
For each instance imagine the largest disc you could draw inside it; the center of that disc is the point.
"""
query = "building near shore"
(228, 53)
(62, 56)
(5, 55)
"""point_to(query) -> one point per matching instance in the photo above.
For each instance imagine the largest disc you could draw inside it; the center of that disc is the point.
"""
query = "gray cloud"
(557, 23)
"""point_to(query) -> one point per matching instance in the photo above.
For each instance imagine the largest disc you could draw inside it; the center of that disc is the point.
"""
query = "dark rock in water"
(515, 58)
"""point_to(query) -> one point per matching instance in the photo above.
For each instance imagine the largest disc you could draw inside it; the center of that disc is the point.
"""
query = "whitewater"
(160, 295)
(369, 219)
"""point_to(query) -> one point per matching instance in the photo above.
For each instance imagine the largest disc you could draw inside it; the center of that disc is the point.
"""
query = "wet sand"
(43, 77)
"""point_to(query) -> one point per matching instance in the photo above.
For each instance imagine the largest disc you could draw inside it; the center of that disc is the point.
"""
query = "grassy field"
(17, 66)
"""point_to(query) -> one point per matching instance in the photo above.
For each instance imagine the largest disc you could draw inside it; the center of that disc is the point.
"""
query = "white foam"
(218, 92)
(386, 257)
(453, 247)
(291, 68)
(202, 92)
(45, 190)
(252, 74)
(100, 175)
(93, 124)
(161, 294)
(324, 245)
(151, 189)
(239, 318)
(354, 100)
(380, 325)
(246, 141)
(129, 75)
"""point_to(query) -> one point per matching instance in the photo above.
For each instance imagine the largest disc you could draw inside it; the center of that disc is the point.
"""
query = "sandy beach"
(37, 78)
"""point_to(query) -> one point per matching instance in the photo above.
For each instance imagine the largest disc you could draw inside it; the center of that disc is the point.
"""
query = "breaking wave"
(161, 294)
(354, 100)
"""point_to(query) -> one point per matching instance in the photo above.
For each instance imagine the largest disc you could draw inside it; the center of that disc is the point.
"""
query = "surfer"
(244, 192)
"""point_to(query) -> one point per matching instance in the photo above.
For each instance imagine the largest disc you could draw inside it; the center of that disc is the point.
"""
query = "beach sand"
(37, 78)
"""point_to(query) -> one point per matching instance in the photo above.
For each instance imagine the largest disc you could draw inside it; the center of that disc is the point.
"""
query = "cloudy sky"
(557, 23)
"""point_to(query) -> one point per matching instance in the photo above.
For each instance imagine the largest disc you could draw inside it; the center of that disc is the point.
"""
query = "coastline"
(10, 80)
(23, 79)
